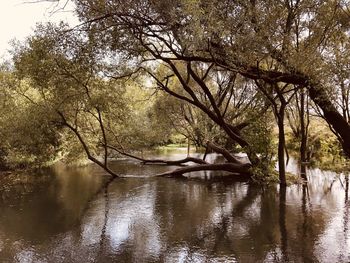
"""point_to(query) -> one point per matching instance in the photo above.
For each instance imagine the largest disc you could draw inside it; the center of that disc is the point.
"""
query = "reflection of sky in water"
(119, 231)
(170, 220)
(25, 256)
(133, 218)
(336, 235)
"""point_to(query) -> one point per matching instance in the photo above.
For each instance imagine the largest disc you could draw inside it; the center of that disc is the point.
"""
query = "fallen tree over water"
(159, 161)
(232, 164)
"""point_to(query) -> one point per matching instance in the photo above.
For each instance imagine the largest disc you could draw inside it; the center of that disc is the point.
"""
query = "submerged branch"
(241, 169)
(159, 161)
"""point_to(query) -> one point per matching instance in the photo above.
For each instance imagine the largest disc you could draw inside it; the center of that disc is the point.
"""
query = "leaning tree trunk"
(318, 95)
(332, 116)
(232, 164)
(233, 168)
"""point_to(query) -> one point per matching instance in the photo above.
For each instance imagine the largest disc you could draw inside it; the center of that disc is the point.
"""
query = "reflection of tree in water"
(306, 249)
(345, 220)
(346, 189)
(282, 223)
(203, 216)
(162, 220)
(15, 187)
(255, 226)
(206, 220)
(105, 222)
(346, 210)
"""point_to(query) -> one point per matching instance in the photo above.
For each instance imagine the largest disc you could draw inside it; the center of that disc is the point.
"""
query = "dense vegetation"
(266, 78)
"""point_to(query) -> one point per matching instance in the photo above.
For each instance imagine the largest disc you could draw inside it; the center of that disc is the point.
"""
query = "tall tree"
(242, 37)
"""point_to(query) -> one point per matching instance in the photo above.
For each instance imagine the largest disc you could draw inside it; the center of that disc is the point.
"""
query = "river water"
(59, 215)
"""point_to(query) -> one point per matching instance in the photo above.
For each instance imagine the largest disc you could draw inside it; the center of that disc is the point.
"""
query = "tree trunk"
(281, 145)
(332, 116)
(103, 165)
(226, 154)
(317, 94)
(303, 143)
(241, 169)
(188, 147)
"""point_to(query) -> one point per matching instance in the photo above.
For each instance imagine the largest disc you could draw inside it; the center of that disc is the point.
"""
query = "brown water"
(54, 215)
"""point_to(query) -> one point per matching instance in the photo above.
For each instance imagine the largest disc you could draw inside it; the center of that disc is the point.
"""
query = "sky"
(19, 17)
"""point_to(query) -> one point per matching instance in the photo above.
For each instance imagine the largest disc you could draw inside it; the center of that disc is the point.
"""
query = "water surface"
(58, 215)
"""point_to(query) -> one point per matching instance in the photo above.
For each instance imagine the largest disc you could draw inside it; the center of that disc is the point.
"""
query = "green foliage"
(61, 75)
(326, 152)
(172, 114)
(323, 148)
(27, 135)
(260, 134)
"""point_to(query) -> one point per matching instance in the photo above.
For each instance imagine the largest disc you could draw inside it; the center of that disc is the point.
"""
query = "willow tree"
(26, 134)
(278, 42)
(62, 74)
(70, 88)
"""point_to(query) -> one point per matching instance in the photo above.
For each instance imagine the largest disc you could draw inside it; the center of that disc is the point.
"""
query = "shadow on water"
(282, 223)
(59, 215)
(103, 231)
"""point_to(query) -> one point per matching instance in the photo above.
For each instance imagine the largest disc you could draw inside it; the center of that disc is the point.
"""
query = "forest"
(265, 78)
